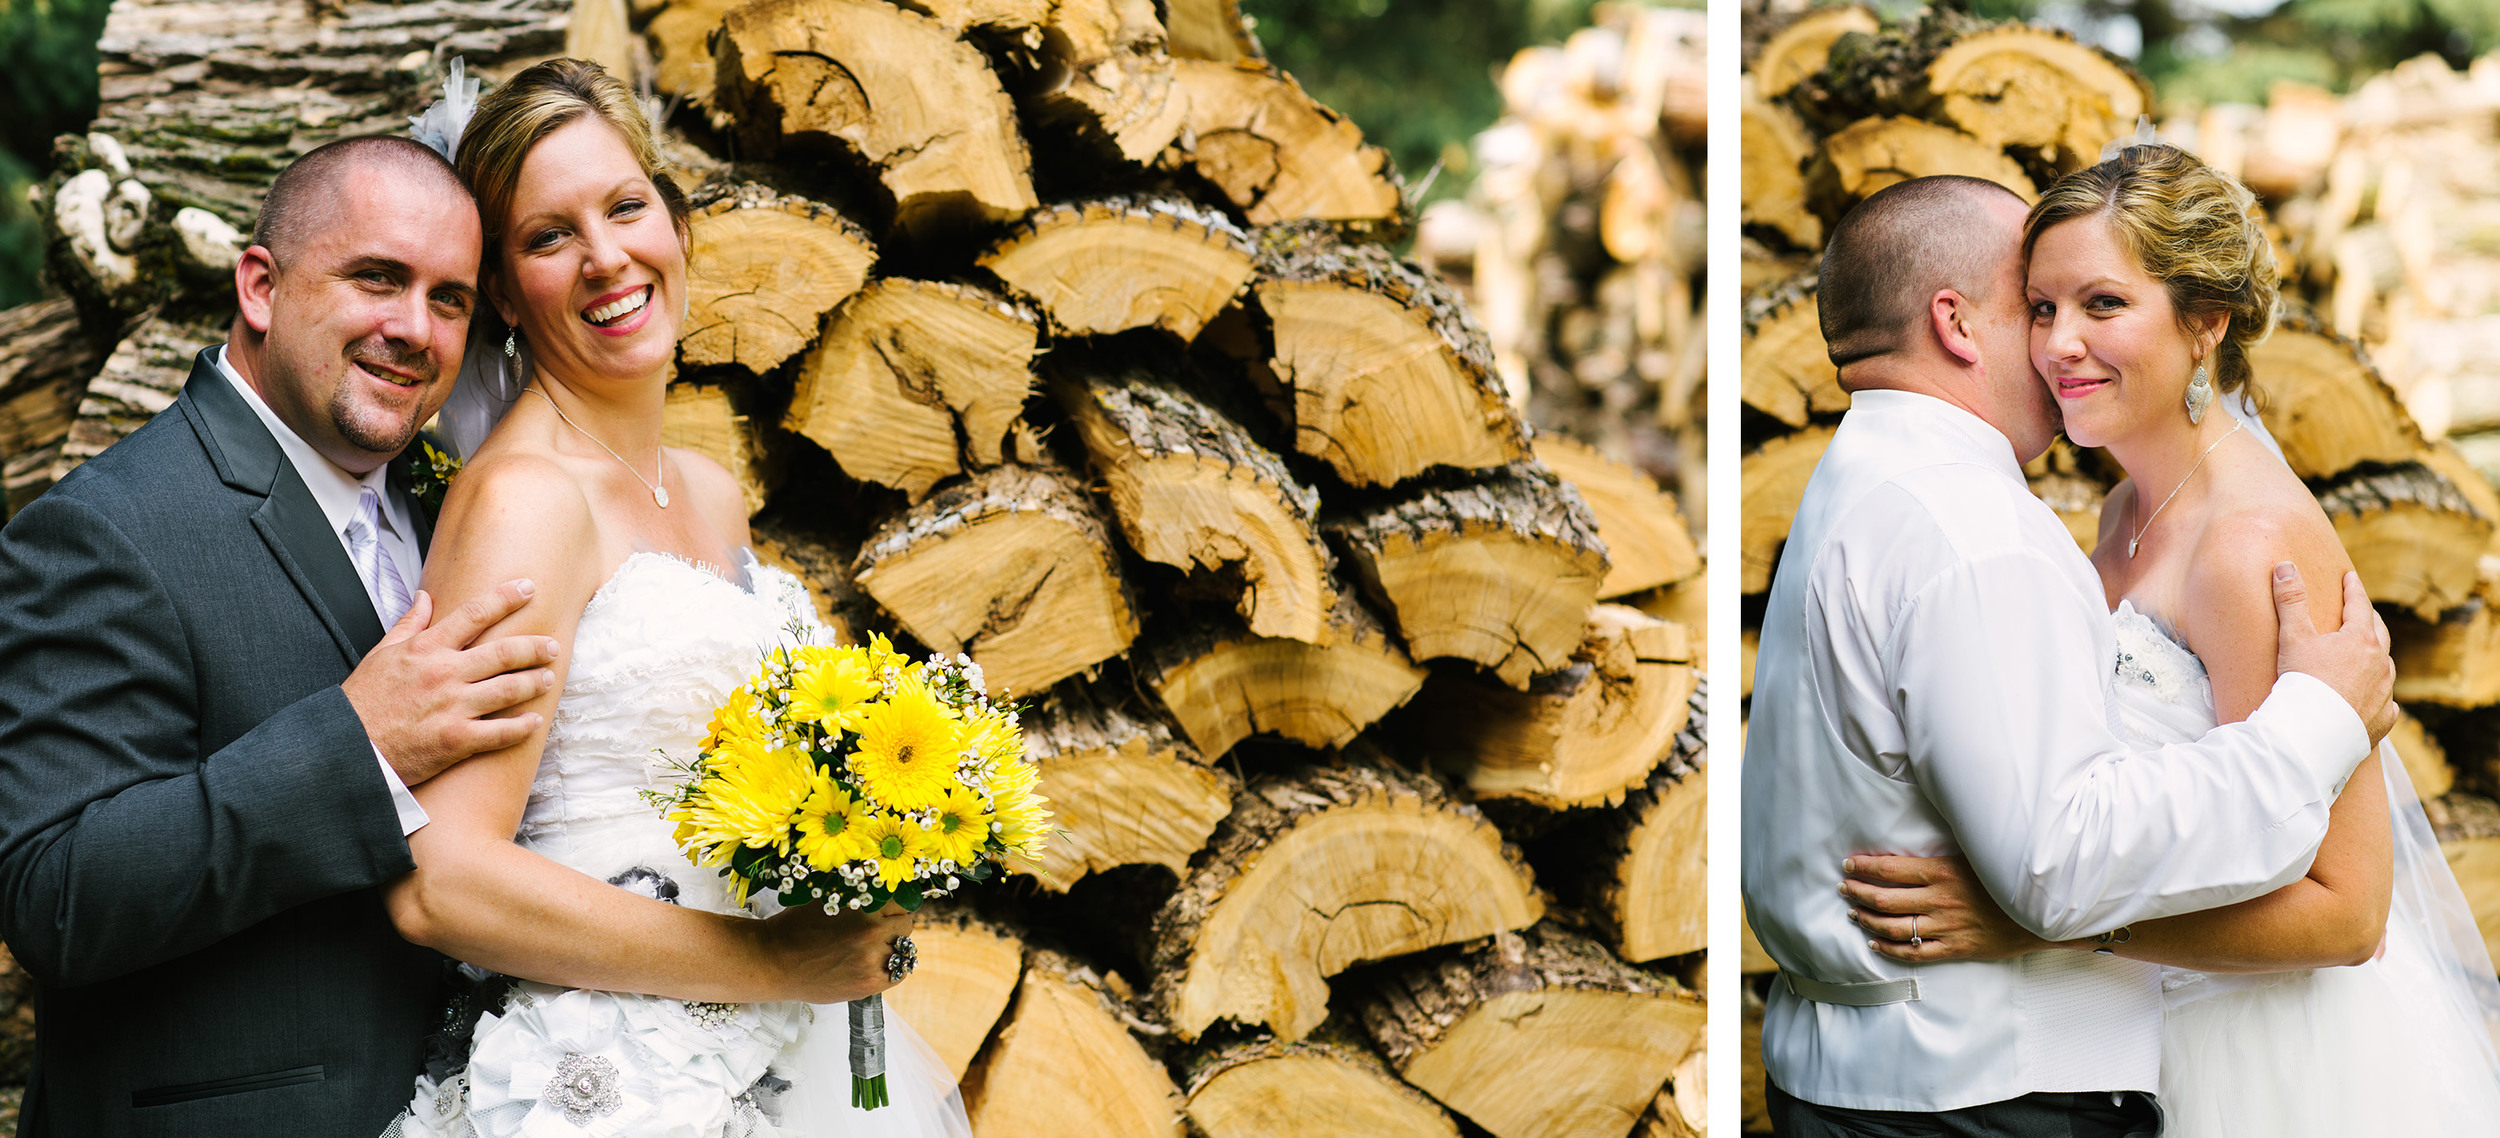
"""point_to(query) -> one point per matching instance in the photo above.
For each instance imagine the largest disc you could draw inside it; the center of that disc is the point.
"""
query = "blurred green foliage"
(48, 84)
(2199, 53)
(1416, 75)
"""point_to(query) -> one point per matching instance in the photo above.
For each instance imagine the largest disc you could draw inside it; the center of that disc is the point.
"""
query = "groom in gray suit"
(206, 734)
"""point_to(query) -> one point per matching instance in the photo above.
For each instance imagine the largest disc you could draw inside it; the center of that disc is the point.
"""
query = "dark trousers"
(2044, 1114)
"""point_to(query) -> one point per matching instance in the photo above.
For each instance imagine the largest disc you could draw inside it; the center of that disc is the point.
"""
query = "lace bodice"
(660, 645)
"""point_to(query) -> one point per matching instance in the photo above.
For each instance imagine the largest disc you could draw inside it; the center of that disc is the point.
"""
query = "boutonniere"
(430, 471)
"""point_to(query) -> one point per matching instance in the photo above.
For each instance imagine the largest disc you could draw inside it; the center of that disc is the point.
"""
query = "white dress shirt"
(337, 492)
(1934, 679)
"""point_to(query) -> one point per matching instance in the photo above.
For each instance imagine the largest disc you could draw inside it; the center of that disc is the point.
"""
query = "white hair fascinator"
(2144, 135)
(491, 373)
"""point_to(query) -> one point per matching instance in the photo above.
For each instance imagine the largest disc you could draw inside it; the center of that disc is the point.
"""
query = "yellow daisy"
(750, 796)
(881, 655)
(908, 744)
(829, 832)
(989, 734)
(741, 718)
(962, 826)
(832, 690)
(895, 845)
(1023, 819)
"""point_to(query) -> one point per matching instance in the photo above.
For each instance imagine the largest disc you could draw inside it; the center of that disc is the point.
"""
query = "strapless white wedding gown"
(659, 646)
(2402, 1046)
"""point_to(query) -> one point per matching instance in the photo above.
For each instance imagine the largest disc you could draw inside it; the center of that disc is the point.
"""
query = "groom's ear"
(256, 287)
(1949, 315)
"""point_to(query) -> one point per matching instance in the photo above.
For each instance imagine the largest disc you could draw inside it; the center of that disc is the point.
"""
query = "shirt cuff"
(2330, 736)
(412, 817)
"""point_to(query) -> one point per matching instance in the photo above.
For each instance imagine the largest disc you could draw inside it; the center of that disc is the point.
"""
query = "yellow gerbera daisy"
(829, 831)
(1023, 819)
(749, 797)
(895, 845)
(832, 690)
(989, 734)
(908, 744)
(740, 719)
(962, 826)
(881, 655)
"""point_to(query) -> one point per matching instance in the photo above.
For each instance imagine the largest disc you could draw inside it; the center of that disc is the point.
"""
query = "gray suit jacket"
(193, 829)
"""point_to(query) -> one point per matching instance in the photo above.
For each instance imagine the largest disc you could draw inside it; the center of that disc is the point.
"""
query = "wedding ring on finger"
(904, 957)
(1914, 940)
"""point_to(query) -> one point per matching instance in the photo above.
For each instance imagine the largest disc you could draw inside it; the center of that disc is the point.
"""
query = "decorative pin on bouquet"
(852, 776)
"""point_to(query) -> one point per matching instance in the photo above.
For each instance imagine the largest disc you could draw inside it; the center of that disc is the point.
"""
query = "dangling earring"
(2200, 395)
(512, 349)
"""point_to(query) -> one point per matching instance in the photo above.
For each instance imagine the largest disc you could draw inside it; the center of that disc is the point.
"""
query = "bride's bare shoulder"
(2257, 528)
(512, 513)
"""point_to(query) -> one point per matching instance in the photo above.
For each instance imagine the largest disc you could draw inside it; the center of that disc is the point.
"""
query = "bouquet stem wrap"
(868, 1052)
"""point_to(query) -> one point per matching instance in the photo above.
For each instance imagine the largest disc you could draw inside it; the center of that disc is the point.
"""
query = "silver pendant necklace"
(659, 491)
(2174, 491)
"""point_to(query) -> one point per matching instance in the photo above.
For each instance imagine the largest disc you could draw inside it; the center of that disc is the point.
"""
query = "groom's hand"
(2352, 659)
(830, 959)
(426, 691)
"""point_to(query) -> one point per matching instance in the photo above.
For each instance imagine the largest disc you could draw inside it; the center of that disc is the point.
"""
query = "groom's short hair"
(305, 196)
(1897, 249)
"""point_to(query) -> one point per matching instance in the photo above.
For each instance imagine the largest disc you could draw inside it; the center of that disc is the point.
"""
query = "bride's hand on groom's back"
(830, 959)
(1926, 909)
(2353, 659)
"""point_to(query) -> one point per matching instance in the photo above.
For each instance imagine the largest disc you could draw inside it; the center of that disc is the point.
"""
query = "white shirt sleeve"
(1999, 682)
(412, 817)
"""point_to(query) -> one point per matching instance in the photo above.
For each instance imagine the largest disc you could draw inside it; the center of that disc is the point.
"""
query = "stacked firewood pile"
(1084, 354)
(1580, 242)
(2380, 241)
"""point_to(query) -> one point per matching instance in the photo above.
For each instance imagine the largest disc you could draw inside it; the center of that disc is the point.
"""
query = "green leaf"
(908, 897)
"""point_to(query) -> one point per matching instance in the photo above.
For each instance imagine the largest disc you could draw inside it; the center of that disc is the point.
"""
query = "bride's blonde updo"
(513, 118)
(2189, 226)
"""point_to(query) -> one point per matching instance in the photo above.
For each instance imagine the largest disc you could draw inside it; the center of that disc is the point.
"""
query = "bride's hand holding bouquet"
(852, 777)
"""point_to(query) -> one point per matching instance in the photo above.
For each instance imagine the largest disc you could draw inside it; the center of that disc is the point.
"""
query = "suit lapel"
(297, 532)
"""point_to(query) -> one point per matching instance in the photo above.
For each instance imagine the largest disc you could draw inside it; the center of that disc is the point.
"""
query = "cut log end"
(762, 270)
(1318, 871)
(1224, 684)
(916, 381)
(968, 970)
(1193, 490)
(1066, 1064)
(1599, 1036)
(1012, 567)
(1390, 375)
(1107, 266)
(1500, 570)
(1582, 736)
(1311, 1089)
(1125, 789)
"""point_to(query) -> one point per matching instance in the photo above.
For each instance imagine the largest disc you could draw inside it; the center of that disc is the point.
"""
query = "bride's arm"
(477, 896)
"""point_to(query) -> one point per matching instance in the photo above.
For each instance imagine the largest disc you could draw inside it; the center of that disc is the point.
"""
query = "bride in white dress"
(543, 867)
(2359, 1000)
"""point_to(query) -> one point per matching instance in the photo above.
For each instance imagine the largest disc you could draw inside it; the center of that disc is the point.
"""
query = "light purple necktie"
(376, 566)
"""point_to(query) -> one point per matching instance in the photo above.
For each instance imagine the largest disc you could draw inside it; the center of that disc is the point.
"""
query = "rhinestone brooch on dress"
(584, 1087)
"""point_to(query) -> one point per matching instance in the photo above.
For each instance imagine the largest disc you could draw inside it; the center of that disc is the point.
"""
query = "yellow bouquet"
(851, 776)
